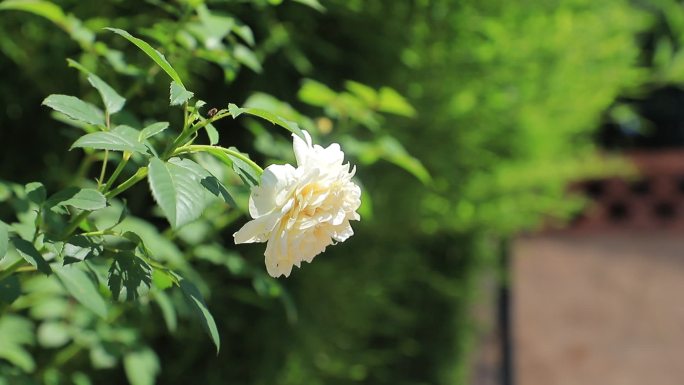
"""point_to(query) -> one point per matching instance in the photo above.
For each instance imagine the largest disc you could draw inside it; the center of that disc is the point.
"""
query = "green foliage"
(465, 120)
(76, 109)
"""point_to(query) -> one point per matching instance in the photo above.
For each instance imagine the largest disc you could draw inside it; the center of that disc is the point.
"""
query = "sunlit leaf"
(212, 133)
(236, 111)
(112, 100)
(119, 139)
(152, 53)
(141, 366)
(152, 130)
(75, 108)
(82, 288)
(84, 199)
(177, 186)
(178, 94)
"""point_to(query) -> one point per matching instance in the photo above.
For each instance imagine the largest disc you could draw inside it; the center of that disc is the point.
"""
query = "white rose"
(300, 211)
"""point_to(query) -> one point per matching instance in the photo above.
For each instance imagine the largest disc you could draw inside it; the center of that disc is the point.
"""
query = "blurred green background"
(466, 120)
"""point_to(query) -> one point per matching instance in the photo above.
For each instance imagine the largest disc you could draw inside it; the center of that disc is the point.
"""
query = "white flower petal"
(300, 211)
(276, 180)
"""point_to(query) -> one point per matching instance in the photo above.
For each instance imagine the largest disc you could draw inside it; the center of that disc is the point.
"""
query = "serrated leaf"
(152, 130)
(82, 288)
(118, 139)
(84, 199)
(234, 110)
(129, 277)
(31, 255)
(199, 307)
(112, 100)
(79, 248)
(141, 366)
(75, 108)
(152, 53)
(178, 94)
(212, 133)
(293, 127)
(178, 188)
(4, 238)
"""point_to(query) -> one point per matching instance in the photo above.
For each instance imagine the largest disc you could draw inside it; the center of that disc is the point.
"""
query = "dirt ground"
(598, 309)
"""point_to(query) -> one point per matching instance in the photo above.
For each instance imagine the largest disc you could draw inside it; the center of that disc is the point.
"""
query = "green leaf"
(129, 277)
(212, 133)
(83, 199)
(199, 307)
(4, 238)
(10, 289)
(45, 9)
(247, 57)
(82, 288)
(141, 366)
(112, 100)
(17, 356)
(53, 334)
(31, 255)
(392, 102)
(75, 108)
(248, 175)
(236, 111)
(35, 191)
(178, 188)
(313, 4)
(365, 93)
(168, 312)
(119, 139)
(316, 93)
(78, 248)
(178, 94)
(152, 130)
(152, 53)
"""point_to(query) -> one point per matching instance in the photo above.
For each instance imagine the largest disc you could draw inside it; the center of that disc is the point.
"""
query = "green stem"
(214, 150)
(117, 171)
(103, 169)
(128, 183)
(11, 269)
(74, 224)
(187, 133)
